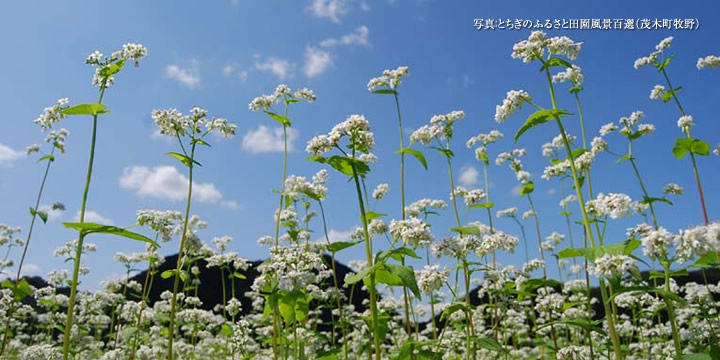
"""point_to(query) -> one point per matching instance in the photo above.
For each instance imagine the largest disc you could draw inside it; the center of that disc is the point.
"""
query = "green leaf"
(453, 308)
(649, 200)
(352, 279)
(661, 66)
(186, 160)
(226, 330)
(553, 61)
(200, 142)
(46, 157)
(371, 215)
(90, 228)
(540, 117)
(239, 275)
(346, 164)
(341, 245)
(286, 305)
(171, 273)
(20, 290)
(668, 95)
(112, 69)
(527, 188)
(575, 89)
(384, 276)
(85, 109)
(707, 260)
(490, 344)
(446, 152)
(279, 118)
(486, 205)
(697, 356)
(407, 276)
(684, 145)
(385, 91)
(467, 230)
(400, 253)
(700, 147)
(417, 154)
(624, 158)
(42, 214)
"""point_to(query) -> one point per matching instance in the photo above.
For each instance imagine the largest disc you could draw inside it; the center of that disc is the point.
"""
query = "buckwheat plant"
(190, 131)
(106, 67)
(684, 145)
(56, 141)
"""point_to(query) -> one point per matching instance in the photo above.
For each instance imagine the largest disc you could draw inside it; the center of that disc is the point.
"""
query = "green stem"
(178, 267)
(671, 313)
(343, 328)
(369, 255)
(586, 220)
(81, 237)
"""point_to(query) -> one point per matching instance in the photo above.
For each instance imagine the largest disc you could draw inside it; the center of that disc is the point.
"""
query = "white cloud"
(166, 182)
(551, 191)
(265, 139)
(30, 270)
(230, 204)
(94, 217)
(336, 236)
(468, 176)
(463, 81)
(52, 214)
(8, 155)
(281, 68)
(357, 37)
(316, 61)
(233, 70)
(331, 9)
(189, 77)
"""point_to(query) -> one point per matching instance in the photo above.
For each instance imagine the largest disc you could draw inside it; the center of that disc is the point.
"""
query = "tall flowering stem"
(583, 211)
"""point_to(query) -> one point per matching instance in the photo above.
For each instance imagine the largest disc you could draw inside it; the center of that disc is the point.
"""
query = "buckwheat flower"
(555, 238)
(697, 241)
(646, 129)
(509, 212)
(265, 240)
(531, 49)
(613, 205)
(233, 307)
(380, 81)
(533, 265)
(613, 265)
(526, 215)
(431, 278)
(717, 150)
(567, 200)
(319, 145)
(647, 60)
(657, 92)
(32, 149)
(598, 145)
(673, 189)
(41, 352)
(380, 191)
(368, 158)
(225, 128)
(710, 61)
(163, 222)
(656, 242)
(522, 176)
(470, 197)
(222, 242)
(282, 90)
(664, 44)
(171, 122)
(572, 74)
(514, 100)
(685, 122)
(484, 139)
(52, 114)
(424, 206)
(396, 75)
(377, 227)
(608, 128)
(411, 231)
(425, 134)
(263, 102)
(497, 240)
(563, 45)
(305, 94)
(94, 58)
(133, 52)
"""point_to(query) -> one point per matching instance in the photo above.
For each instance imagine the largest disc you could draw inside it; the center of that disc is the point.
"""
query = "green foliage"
(416, 153)
(91, 228)
(540, 117)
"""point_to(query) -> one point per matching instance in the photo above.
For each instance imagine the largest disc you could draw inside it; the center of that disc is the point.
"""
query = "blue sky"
(222, 54)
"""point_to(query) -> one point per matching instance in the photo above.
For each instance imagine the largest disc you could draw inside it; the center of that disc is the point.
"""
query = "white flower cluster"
(673, 189)
(440, 127)
(412, 231)
(657, 92)
(52, 114)
(355, 127)
(380, 191)
(293, 266)
(572, 74)
(298, 185)
(470, 197)
(607, 266)
(710, 61)
(389, 78)
(164, 223)
(424, 206)
(685, 122)
(655, 55)
(613, 205)
(514, 100)
(129, 51)
(431, 278)
(484, 140)
(173, 123)
(496, 240)
(534, 47)
(509, 212)
(697, 241)
(282, 94)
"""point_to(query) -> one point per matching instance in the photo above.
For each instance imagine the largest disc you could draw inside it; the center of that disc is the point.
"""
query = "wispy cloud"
(281, 68)
(329, 9)
(8, 155)
(166, 182)
(357, 37)
(235, 71)
(265, 139)
(189, 77)
(468, 176)
(317, 61)
(94, 217)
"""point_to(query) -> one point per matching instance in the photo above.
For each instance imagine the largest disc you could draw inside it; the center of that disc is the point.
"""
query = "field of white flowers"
(619, 300)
